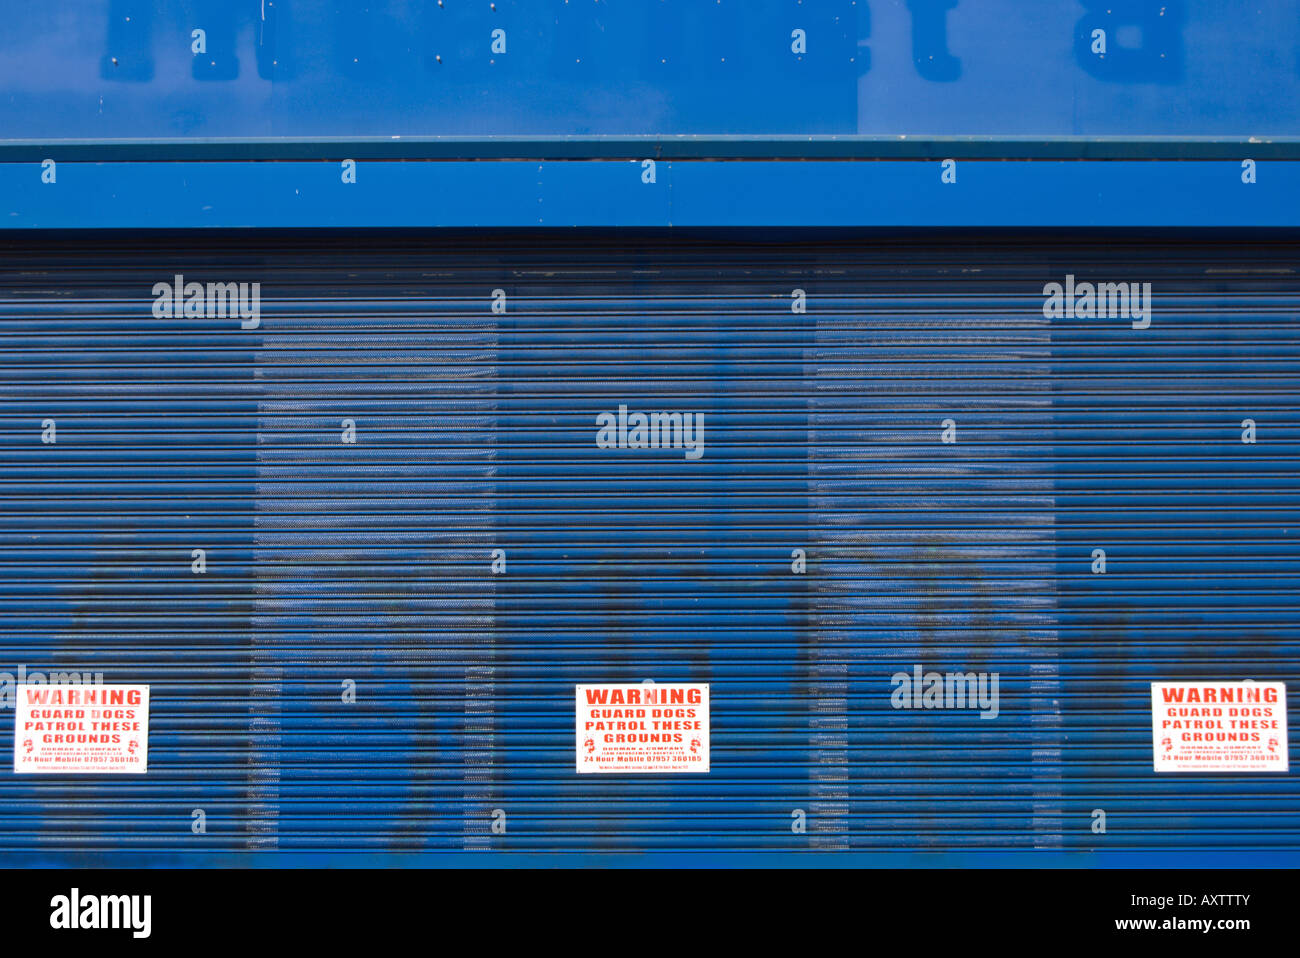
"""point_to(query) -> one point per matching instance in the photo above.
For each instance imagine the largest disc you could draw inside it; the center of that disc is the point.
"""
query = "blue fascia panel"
(622, 193)
(131, 69)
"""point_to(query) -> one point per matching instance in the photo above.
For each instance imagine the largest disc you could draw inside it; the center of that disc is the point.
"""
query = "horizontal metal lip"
(679, 147)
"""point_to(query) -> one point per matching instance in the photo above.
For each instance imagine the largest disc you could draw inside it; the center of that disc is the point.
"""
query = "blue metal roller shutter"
(371, 562)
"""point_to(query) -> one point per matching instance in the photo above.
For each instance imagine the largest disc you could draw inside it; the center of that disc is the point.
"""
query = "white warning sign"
(643, 728)
(1219, 726)
(80, 729)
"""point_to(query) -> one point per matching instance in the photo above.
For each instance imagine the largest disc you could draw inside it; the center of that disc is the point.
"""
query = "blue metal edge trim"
(845, 147)
(792, 859)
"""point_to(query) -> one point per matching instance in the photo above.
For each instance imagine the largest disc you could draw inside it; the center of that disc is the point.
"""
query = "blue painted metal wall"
(370, 562)
(111, 118)
(96, 69)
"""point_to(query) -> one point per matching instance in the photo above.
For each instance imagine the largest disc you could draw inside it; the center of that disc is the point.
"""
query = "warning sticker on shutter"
(1219, 726)
(81, 729)
(643, 728)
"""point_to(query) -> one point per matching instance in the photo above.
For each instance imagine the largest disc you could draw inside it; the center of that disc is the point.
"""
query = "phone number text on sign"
(642, 728)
